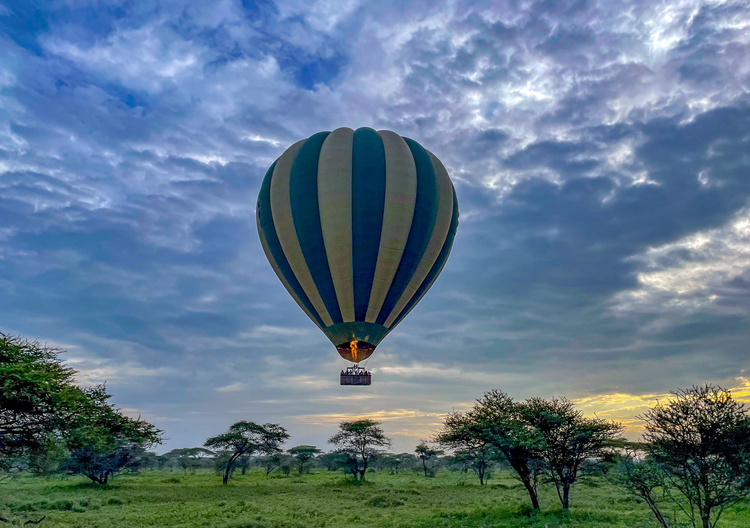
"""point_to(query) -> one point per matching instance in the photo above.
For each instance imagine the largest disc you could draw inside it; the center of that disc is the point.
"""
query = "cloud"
(703, 271)
(233, 387)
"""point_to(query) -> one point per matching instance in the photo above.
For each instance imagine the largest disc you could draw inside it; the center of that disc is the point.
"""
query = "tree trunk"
(99, 478)
(230, 465)
(520, 465)
(354, 467)
(424, 466)
(566, 496)
(532, 491)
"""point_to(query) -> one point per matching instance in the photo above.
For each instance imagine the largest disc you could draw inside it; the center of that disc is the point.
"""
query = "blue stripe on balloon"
(303, 196)
(368, 203)
(436, 267)
(425, 213)
(274, 246)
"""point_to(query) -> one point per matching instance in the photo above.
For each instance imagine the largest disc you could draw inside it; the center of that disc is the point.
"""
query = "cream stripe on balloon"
(400, 197)
(281, 210)
(427, 288)
(281, 277)
(335, 203)
(437, 239)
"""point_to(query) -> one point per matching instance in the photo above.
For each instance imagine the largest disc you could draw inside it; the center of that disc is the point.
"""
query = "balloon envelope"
(357, 226)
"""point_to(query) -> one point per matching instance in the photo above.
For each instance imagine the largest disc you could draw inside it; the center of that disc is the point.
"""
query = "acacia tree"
(303, 454)
(425, 453)
(467, 437)
(393, 462)
(645, 479)
(701, 441)
(270, 462)
(286, 463)
(101, 441)
(496, 419)
(565, 439)
(42, 412)
(359, 440)
(37, 393)
(189, 458)
(247, 438)
(334, 461)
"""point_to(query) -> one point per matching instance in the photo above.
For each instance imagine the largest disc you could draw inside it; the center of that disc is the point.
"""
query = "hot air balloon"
(357, 225)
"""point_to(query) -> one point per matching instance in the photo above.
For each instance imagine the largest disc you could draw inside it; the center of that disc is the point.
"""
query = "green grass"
(320, 499)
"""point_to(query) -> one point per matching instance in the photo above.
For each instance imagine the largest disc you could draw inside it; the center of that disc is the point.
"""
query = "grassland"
(320, 499)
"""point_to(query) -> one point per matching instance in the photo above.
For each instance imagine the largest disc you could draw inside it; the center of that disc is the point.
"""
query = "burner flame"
(353, 348)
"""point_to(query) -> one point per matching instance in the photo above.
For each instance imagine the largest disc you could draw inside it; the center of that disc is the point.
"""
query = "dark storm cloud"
(555, 254)
(599, 153)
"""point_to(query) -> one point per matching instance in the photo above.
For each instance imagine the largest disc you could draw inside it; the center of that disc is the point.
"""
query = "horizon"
(598, 153)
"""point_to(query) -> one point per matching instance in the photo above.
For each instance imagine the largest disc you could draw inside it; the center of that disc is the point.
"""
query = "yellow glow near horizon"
(621, 407)
(625, 408)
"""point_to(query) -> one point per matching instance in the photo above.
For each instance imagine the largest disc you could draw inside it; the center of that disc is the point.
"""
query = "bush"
(524, 510)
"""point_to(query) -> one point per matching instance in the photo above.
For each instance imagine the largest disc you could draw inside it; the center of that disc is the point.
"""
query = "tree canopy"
(303, 454)
(701, 441)
(247, 438)
(497, 419)
(467, 438)
(42, 410)
(426, 453)
(564, 439)
(359, 440)
(37, 395)
(534, 436)
(102, 441)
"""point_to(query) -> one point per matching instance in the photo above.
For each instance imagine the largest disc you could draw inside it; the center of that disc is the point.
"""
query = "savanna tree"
(286, 463)
(247, 438)
(102, 441)
(425, 453)
(189, 458)
(701, 441)
(467, 438)
(393, 462)
(565, 439)
(359, 440)
(496, 419)
(270, 462)
(37, 394)
(645, 479)
(302, 455)
(45, 418)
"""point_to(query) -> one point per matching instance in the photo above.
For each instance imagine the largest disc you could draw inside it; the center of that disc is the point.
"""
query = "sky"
(600, 153)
